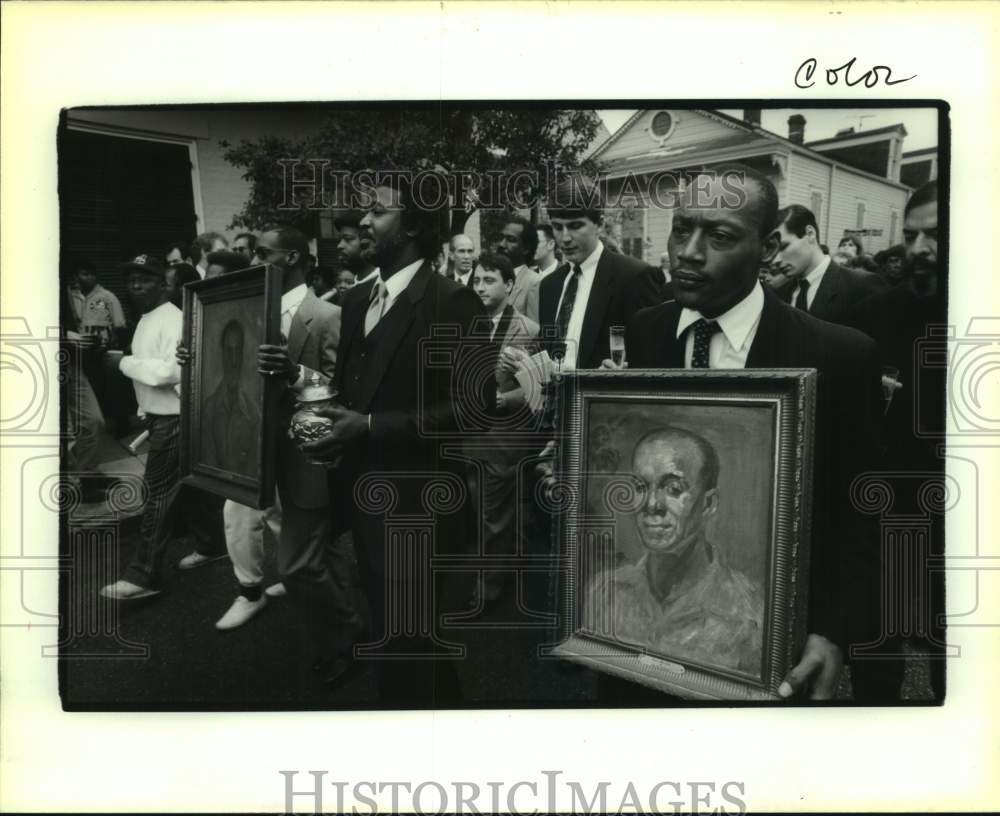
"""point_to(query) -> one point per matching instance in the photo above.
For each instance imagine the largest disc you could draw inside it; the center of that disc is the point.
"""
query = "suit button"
(363, 355)
(356, 378)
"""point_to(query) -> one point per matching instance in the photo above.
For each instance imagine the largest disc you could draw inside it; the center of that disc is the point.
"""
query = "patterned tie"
(566, 309)
(376, 306)
(800, 299)
(703, 331)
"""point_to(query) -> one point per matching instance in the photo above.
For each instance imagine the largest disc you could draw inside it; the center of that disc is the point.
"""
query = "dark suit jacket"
(622, 286)
(312, 343)
(407, 394)
(848, 424)
(840, 291)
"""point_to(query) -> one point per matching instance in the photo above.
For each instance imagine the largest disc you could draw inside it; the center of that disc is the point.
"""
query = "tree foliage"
(456, 139)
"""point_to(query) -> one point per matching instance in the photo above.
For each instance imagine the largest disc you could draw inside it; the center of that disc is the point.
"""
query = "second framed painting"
(684, 526)
(227, 439)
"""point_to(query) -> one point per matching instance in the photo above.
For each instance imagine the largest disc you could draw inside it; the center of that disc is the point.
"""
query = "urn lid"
(315, 391)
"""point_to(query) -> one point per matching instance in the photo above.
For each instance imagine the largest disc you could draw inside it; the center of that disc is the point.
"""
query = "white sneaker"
(240, 612)
(196, 559)
(127, 591)
(276, 590)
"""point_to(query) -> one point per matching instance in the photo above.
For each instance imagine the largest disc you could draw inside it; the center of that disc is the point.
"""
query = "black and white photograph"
(497, 407)
(403, 242)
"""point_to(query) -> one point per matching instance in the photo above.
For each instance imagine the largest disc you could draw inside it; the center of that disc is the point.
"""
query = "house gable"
(690, 128)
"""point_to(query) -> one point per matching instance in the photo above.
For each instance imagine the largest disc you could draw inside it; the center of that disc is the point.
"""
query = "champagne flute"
(616, 339)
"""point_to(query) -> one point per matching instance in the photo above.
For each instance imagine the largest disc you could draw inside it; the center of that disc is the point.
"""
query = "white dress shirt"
(815, 277)
(464, 279)
(575, 329)
(152, 365)
(729, 347)
(290, 302)
(373, 274)
(201, 270)
(548, 270)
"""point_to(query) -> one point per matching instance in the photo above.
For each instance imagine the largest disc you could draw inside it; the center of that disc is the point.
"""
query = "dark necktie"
(703, 331)
(801, 301)
(566, 308)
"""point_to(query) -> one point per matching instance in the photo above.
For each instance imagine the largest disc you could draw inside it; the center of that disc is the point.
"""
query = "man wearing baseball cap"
(154, 372)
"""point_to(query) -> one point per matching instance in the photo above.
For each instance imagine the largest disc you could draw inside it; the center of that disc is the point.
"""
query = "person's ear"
(711, 503)
(509, 287)
(771, 244)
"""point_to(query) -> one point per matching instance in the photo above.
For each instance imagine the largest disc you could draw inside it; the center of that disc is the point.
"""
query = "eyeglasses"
(264, 252)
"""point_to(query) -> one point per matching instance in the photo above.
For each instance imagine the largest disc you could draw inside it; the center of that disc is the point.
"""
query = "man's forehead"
(570, 220)
(670, 453)
(924, 216)
(514, 229)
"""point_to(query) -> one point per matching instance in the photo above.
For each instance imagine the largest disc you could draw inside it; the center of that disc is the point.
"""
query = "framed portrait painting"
(227, 434)
(683, 522)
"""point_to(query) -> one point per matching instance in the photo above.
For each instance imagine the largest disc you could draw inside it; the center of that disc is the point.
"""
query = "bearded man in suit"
(397, 408)
(817, 284)
(724, 318)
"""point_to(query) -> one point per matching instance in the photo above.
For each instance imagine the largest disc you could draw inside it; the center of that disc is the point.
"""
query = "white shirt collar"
(397, 283)
(737, 323)
(374, 274)
(817, 272)
(589, 265)
(549, 270)
(292, 299)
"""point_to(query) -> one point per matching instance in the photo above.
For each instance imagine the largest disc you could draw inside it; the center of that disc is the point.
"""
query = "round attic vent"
(662, 125)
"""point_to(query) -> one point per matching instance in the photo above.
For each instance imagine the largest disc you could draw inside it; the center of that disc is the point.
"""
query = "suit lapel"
(596, 307)
(500, 335)
(299, 330)
(767, 350)
(392, 328)
(828, 291)
(667, 339)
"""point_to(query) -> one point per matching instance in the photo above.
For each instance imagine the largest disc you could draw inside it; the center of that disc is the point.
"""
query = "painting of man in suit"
(231, 417)
(682, 599)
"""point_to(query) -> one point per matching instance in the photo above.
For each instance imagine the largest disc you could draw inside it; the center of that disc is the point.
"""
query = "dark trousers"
(412, 668)
(162, 478)
(317, 568)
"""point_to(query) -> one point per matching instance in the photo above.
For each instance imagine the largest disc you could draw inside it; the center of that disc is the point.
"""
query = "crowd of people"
(750, 287)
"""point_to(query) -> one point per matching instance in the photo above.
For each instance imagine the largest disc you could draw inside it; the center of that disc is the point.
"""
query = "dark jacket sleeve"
(844, 569)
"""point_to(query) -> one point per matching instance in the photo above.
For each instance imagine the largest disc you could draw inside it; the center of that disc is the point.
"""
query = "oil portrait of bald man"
(690, 590)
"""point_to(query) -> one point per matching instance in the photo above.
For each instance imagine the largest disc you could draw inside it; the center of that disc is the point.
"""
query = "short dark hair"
(922, 195)
(547, 229)
(853, 239)
(292, 238)
(251, 239)
(184, 273)
(495, 262)
(710, 459)
(529, 235)
(325, 272)
(430, 224)
(83, 265)
(228, 260)
(203, 243)
(796, 218)
(768, 220)
(348, 218)
(576, 196)
(181, 246)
